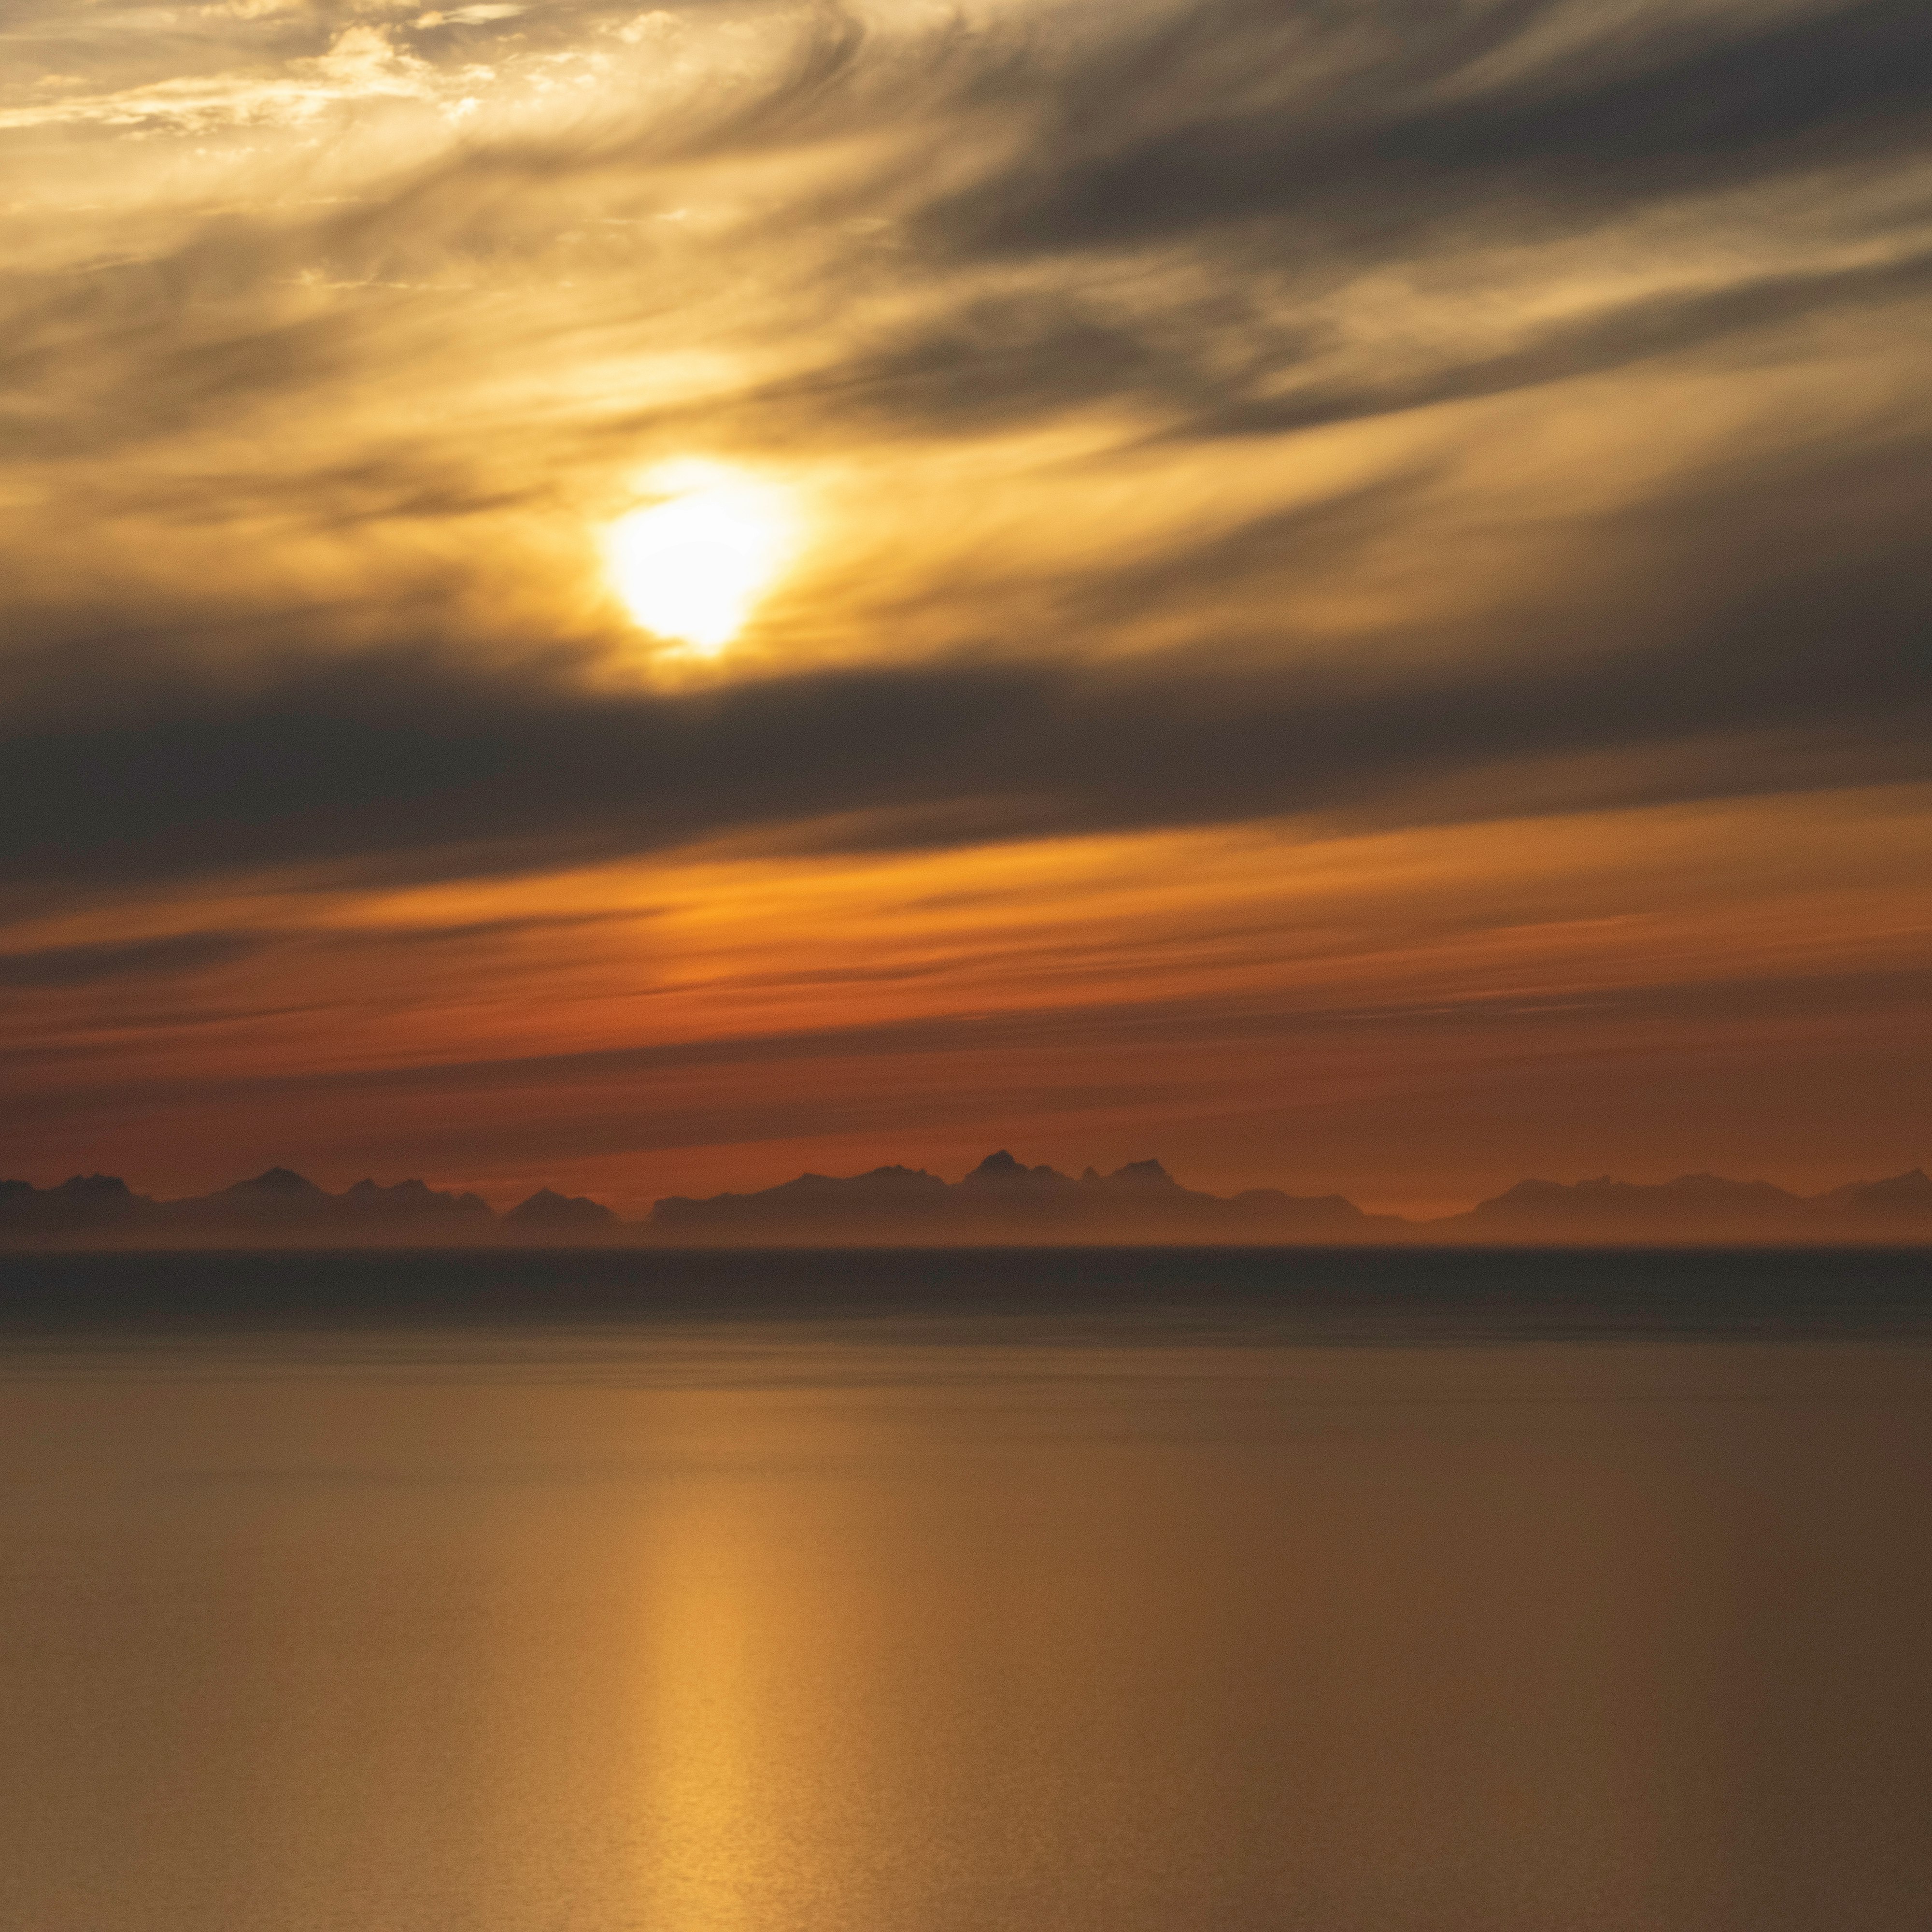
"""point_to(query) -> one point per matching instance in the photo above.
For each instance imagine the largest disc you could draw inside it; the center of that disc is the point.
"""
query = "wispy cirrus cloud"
(1280, 348)
(361, 64)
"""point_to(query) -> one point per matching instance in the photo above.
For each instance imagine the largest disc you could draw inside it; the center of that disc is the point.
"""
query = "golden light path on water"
(692, 563)
(954, 1622)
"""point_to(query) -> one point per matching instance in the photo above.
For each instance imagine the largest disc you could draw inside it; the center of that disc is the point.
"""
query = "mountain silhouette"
(282, 1201)
(88, 1204)
(275, 1206)
(411, 1199)
(552, 1213)
(1698, 1207)
(1907, 1196)
(278, 1195)
(1001, 1200)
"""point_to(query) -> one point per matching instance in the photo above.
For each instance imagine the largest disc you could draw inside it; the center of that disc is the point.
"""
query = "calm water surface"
(911, 1619)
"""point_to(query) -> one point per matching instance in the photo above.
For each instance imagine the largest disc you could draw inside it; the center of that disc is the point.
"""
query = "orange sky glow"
(643, 600)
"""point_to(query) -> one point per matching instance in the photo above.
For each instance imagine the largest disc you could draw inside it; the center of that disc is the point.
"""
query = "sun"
(691, 565)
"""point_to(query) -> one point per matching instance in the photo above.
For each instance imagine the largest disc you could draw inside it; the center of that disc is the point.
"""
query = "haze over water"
(853, 1608)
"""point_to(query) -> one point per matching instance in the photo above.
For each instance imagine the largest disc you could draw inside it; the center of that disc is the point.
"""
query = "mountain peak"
(282, 1181)
(1011, 1178)
(95, 1187)
(1144, 1174)
(1914, 1181)
(548, 1208)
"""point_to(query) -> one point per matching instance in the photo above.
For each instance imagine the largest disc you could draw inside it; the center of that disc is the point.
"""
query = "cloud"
(1357, 127)
(1236, 409)
(362, 64)
(67, 966)
(421, 759)
(1140, 1056)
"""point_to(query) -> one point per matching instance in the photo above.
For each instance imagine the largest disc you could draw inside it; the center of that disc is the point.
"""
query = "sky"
(1335, 591)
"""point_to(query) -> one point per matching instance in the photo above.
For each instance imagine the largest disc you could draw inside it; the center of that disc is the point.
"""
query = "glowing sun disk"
(691, 566)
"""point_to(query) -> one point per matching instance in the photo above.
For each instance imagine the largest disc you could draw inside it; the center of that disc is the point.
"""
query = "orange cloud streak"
(1411, 1017)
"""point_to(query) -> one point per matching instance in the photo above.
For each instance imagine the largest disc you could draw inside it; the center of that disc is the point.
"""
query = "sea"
(1090, 1591)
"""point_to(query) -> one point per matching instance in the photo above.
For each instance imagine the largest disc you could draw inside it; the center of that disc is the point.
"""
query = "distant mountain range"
(1001, 1200)
(280, 1207)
